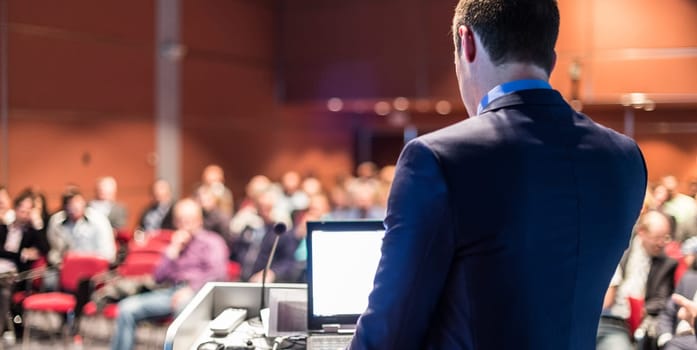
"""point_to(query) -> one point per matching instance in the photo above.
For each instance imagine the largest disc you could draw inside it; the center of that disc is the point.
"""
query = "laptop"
(342, 258)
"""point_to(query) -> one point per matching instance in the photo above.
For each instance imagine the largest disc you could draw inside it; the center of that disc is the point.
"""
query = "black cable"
(211, 345)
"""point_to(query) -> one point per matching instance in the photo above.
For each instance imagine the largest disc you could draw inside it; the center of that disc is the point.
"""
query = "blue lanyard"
(510, 87)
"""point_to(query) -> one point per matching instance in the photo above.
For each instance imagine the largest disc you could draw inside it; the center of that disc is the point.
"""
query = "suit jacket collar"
(532, 97)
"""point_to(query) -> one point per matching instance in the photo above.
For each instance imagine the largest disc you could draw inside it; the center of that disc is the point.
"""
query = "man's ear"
(467, 41)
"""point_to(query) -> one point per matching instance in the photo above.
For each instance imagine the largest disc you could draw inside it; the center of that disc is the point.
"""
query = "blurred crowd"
(205, 231)
(211, 236)
(638, 311)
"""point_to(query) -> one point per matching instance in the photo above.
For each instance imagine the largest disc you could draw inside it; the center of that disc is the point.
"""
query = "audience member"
(367, 171)
(213, 177)
(317, 210)
(683, 208)
(340, 201)
(256, 185)
(676, 334)
(688, 308)
(292, 198)
(385, 184)
(158, 214)
(645, 273)
(251, 246)
(79, 228)
(7, 215)
(311, 186)
(692, 188)
(194, 257)
(214, 219)
(21, 244)
(364, 199)
(40, 210)
(105, 202)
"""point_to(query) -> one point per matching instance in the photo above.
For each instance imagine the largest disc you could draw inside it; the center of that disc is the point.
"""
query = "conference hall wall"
(256, 77)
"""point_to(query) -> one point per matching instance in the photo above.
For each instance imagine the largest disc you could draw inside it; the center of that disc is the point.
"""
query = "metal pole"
(4, 109)
(629, 121)
(168, 54)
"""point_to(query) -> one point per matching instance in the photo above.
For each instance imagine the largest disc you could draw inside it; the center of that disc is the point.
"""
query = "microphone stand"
(279, 229)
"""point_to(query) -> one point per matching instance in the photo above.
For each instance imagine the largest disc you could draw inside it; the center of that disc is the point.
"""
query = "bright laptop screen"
(343, 260)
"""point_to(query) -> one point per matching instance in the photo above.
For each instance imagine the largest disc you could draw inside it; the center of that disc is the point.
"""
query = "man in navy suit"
(503, 230)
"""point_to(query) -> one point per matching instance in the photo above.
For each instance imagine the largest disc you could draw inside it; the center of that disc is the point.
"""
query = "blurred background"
(146, 89)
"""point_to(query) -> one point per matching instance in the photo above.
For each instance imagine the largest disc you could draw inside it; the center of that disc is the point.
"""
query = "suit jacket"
(503, 231)
(660, 281)
(30, 238)
(253, 259)
(668, 318)
(167, 221)
(659, 284)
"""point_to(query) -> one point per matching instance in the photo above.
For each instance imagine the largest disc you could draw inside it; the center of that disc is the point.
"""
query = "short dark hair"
(69, 193)
(512, 30)
(24, 195)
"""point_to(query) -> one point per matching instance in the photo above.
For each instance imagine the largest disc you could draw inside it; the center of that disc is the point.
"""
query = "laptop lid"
(342, 258)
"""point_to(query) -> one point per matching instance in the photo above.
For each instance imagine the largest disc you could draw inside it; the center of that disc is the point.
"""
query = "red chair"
(98, 325)
(233, 271)
(161, 235)
(123, 235)
(636, 313)
(75, 268)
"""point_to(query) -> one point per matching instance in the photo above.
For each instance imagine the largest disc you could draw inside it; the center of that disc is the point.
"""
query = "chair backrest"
(139, 265)
(636, 313)
(79, 266)
(161, 235)
(150, 246)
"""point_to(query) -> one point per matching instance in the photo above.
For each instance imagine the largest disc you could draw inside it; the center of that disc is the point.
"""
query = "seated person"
(214, 219)
(7, 215)
(644, 272)
(158, 214)
(21, 244)
(105, 202)
(252, 245)
(688, 308)
(676, 334)
(193, 258)
(77, 228)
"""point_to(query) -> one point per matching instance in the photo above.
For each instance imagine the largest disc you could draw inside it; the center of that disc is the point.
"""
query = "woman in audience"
(7, 215)
(21, 244)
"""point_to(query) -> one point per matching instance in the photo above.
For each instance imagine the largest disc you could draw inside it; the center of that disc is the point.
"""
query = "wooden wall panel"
(238, 28)
(51, 150)
(629, 46)
(80, 88)
(66, 74)
(227, 89)
(643, 23)
(218, 88)
(356, 49)
(123, 21)
(659, 76)
(83, 71)
(290, 142)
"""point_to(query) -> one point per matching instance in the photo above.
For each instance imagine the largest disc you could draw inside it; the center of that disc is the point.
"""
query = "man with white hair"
(193, 258)
(105, 202)
(682, 207)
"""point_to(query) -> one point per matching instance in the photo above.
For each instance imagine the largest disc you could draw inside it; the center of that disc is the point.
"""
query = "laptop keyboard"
(328, 342)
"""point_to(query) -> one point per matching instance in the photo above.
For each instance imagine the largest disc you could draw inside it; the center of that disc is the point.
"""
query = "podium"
(190, 327)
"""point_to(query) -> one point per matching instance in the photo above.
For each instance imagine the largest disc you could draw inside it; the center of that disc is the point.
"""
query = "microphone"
(279, 228)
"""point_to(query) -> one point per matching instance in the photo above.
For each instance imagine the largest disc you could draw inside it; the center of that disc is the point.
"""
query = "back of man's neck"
(506, 72)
